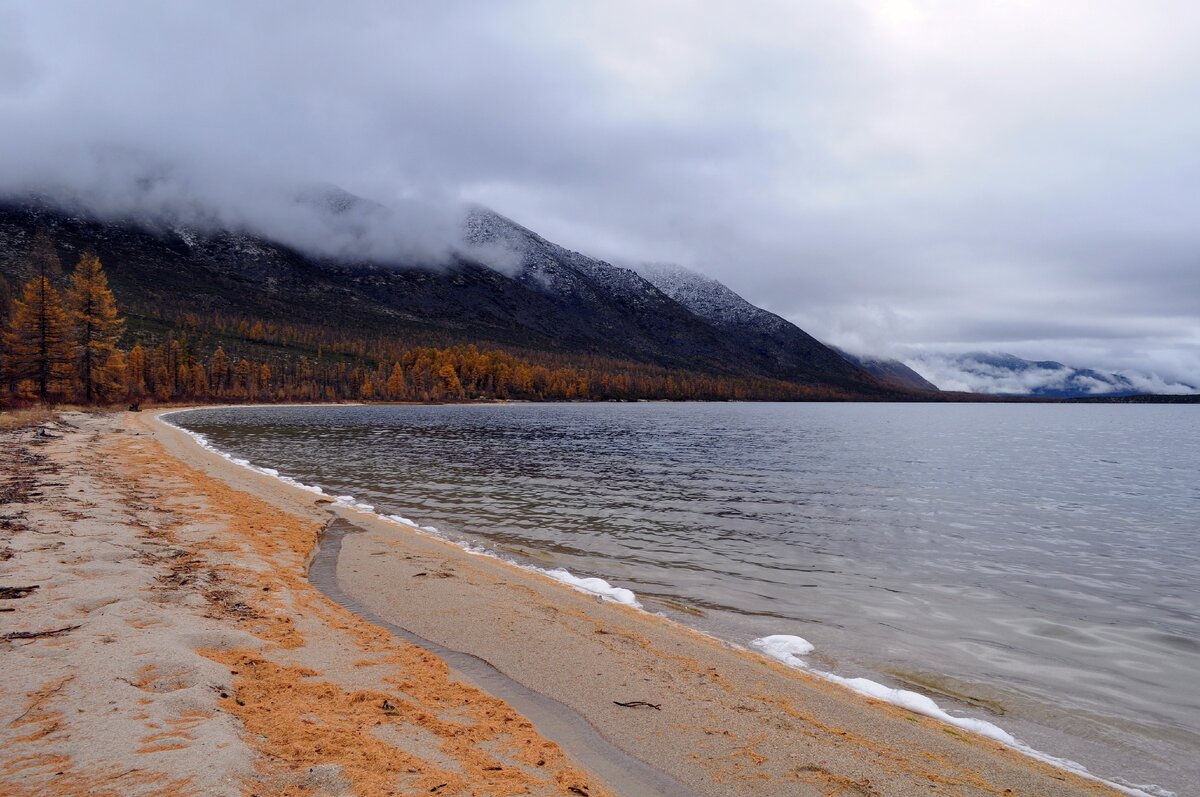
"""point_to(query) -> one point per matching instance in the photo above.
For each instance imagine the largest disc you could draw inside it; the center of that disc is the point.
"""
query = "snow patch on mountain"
(710, 299)
(555, 269)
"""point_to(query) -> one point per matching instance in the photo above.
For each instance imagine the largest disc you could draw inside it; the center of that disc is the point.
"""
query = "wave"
(789, 650)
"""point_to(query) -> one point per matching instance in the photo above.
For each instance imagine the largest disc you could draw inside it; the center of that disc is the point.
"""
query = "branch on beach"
(39, 699)
(36, 634)
(13, 593)
(637, 704)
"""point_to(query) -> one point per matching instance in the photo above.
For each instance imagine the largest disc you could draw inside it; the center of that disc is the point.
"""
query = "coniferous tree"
(37, 340)
(135, 371)
(395, 383)
(218, 372)
(97, 326)
(450, 382)
(6, 300)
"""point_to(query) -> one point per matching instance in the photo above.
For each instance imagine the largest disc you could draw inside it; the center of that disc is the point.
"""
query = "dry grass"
(24, 417)
(11, 420)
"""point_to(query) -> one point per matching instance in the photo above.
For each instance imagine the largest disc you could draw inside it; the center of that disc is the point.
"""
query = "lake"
(1035, 566)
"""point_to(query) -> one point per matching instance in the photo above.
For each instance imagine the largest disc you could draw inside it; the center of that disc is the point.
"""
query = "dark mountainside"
(555, 301)
(791, 348)
(893, 372)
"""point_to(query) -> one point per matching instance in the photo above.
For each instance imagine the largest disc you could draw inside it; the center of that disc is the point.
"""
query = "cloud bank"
(117, 183)
(931, 174)
(1003, 374)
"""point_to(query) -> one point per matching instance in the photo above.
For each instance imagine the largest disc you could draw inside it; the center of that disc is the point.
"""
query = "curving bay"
(1031, 565)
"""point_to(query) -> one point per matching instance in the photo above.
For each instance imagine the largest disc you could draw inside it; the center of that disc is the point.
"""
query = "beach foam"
(595, 586)
(920, 704)
(785, 648)
(788, 649)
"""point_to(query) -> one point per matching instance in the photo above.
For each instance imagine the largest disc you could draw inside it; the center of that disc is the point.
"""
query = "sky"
(899, 178)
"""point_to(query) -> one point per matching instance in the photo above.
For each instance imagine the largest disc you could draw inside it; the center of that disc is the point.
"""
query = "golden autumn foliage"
(71, 350)
(97, 329)
(173, 371)
(37, 345)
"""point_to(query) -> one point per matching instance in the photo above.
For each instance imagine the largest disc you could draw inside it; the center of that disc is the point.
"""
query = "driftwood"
(637, 703)
(36, 634)
(12, 593)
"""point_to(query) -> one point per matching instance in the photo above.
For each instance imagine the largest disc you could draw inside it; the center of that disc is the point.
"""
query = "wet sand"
(277, 679)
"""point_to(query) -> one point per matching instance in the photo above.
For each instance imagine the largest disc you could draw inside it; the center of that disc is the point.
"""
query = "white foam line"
(788, 649)
(591, 586)
(784, 647)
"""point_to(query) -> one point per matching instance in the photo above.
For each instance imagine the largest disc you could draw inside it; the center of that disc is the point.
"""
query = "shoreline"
(622, 771)
(918, 703)
(366, 516)
(288, 685)
(170, 643)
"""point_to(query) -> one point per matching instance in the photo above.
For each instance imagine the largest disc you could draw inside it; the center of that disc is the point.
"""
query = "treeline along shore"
(66, 339)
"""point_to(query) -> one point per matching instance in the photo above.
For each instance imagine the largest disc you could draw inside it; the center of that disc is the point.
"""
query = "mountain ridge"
(539, 297)
(890, 370)
(792, 349)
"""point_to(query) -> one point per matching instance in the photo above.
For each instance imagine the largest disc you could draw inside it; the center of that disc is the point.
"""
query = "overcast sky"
(892, 176)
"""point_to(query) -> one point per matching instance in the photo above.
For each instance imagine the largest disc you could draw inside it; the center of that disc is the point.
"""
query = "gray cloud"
(927, 174)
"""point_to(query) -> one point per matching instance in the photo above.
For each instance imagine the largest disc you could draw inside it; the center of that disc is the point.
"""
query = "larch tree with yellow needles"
(37, 342)
(97, 327)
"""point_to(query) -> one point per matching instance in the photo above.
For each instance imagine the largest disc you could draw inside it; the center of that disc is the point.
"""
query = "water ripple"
(1046, 554)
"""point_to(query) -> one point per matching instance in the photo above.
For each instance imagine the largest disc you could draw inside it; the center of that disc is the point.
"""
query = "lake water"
(1036, 566)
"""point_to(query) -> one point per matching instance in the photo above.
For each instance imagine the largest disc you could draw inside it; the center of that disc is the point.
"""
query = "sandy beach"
(171, 625)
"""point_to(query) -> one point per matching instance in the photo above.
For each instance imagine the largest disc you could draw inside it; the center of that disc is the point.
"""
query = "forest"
(65, 340)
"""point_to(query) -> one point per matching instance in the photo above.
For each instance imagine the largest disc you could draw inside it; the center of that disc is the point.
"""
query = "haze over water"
(1035, 566)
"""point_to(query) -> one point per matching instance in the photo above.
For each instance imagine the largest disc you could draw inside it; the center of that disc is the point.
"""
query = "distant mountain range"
(1005, 374)
(541, 296)
(972, 372)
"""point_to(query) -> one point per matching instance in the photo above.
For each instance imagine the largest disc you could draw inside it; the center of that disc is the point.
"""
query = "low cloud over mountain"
(869, 171)
(1004, 374)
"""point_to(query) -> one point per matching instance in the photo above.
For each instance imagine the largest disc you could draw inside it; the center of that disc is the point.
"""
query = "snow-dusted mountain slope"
(708, 298)
(888, 370)
(559, 271)
(791, 349)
